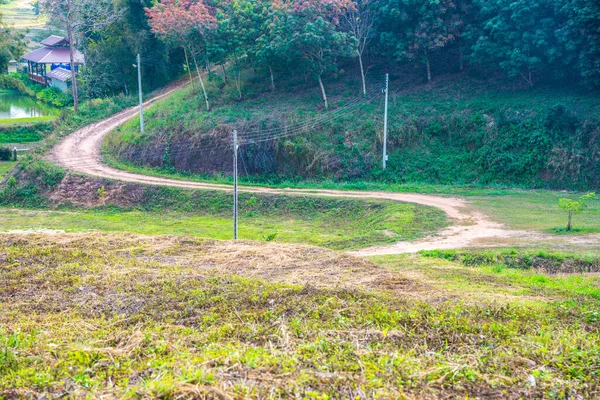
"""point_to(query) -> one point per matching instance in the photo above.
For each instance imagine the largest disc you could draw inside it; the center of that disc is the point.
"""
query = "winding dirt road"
(80, 153)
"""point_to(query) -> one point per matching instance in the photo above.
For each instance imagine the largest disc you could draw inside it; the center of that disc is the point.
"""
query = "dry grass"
(113, 316)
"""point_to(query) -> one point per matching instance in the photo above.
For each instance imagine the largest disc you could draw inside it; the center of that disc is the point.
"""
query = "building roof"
(54, 40)
(54, 55)
(60, 73)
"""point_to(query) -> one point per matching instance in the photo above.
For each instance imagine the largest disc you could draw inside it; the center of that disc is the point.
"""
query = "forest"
(534, 42)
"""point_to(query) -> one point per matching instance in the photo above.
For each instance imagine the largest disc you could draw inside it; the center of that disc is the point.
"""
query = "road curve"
(80, 153)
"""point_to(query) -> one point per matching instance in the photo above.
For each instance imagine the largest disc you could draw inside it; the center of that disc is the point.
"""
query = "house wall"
(59, 84)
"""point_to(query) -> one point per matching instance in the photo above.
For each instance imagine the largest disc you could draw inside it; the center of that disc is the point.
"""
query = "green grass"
(130, 317)
(323, 222)
(456, 132)
(518, 209)
(26, 121)
(538, 211)
(6, 167)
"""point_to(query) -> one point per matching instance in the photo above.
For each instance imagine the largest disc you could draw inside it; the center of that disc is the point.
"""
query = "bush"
(14, 82)
(5, 154)
(54, 96)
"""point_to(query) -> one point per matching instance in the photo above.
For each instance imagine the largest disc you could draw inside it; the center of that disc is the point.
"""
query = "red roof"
(54, 40)
(56, 55)
(60, 73)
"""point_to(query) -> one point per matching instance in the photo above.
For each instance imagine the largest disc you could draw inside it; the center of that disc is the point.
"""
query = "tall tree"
(519, 36)
(81, 17)
(414, 29)
(12, 45)
(177, 21)
(359, 21)
(311, 31)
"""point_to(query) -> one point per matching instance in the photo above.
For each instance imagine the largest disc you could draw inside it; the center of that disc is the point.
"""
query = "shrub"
(54, 96)
(5, 154)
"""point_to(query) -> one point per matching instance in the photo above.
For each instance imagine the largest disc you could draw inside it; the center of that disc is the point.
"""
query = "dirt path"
(80, 152)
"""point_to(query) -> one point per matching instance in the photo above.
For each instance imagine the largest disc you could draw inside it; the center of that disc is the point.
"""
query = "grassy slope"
(315, 221)
(518, 209)
(164, 317)
(434, 131)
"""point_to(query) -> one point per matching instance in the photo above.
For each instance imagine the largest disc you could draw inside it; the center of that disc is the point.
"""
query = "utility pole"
(139, 68)
(385, 118)
(235, 185)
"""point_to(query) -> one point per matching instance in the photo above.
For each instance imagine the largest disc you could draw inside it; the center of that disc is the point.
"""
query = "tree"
(81, 17)
(414, 29)
(359, 21)
(309, 31)
(573, 207)
(177, 22)
(12, 45)
(520, 36)
(581, 34)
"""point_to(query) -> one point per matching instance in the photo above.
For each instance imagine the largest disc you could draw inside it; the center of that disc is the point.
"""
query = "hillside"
(457, 130)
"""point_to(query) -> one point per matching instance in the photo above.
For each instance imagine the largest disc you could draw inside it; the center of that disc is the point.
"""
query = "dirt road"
(80, 152)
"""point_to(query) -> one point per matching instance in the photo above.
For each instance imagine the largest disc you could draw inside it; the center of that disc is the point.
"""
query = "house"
(59, 78)
(55, 55)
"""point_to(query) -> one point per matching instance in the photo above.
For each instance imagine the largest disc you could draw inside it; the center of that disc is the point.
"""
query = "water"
(17, 105)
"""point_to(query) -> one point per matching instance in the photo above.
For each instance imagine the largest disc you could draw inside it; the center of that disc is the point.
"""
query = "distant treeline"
(529, 40)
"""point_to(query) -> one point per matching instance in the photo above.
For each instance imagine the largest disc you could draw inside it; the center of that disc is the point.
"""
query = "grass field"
(145, 317)
(518, 209)
(322, 222)
(20, 14)
(538, 211)
(26, 121)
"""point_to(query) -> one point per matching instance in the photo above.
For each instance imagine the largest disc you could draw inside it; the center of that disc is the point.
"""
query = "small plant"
(102, 193)
(269, 237)
(573, 207)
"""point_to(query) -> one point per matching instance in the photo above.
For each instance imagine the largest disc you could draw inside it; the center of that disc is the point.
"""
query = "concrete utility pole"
(235, 185)
(139, 68)
(385, 118)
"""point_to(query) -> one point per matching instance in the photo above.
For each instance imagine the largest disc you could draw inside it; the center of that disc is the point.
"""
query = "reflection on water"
(16, 105)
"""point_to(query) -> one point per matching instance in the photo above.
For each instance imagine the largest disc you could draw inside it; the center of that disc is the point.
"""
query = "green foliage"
(6, 154)
(573, 207)
(541, 260)
(44, 173)
(15, 82)
(54, 96)
(25, 133)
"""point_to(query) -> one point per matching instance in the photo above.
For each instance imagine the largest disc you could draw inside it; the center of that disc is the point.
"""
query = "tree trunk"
(461, 61)
(208, 66)
(428, 66)
(187, 62)
(72, 60)
(224, 73)
(362, 74)
(569, 223)
(126, 89)
(201, 82)
(323, 93)
(272, 79)
(238, 83)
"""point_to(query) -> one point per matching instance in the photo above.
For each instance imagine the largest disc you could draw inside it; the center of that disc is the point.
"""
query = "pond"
(17, 105)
